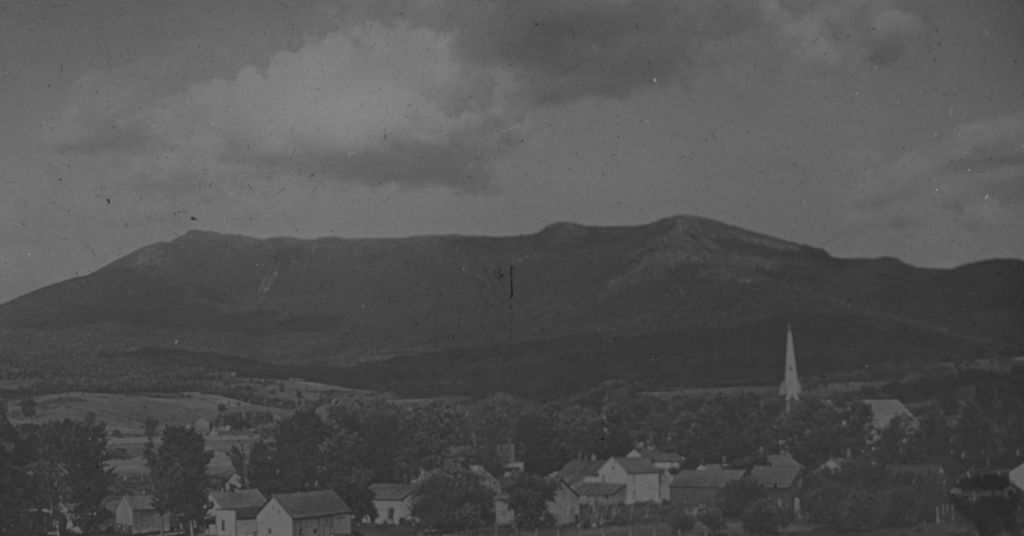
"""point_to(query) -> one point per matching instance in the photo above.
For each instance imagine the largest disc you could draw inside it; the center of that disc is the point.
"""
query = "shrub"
(766, 516)
(736, 496)
(712, 518)
(681, 522)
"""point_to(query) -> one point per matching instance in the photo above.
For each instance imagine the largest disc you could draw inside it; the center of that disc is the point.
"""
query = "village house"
(136, 515)
(781, 483)
(884, 410)
(309, 513)
(564, 505)
(577, 471)
(393, 502)
(503, 513)
(600, 501)
(233, 513)
(693, 488)
(641, 477)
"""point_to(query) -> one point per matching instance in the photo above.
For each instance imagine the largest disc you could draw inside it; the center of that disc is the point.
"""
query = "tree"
(766, 516)
(178, 469)
(528, 496)
(16, 500)
(149, 428)
(680, 521)
(69, 474)
(737, 495)
(240, 463)
(453, 500)
(818, 430)
(28, 407)
(712, 518)
(535, 432)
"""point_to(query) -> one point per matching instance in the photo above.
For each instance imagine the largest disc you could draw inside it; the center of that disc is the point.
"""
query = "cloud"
(846, 34)
(411, 93)
(372, 103)
(972, 176)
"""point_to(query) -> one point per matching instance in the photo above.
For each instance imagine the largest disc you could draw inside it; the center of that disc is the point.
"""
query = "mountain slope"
(336, 301)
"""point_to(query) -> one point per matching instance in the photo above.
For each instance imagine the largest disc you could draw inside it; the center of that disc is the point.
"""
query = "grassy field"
(134, 464)
(127, 413)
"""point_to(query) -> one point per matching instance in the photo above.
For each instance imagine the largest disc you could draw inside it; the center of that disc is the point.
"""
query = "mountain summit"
(334, 300)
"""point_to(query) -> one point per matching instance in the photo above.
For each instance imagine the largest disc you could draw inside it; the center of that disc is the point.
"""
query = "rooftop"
(576, 470)
(238, 499)
(636, 466)
(708, 478)
(597, 489)
(312, 504)
(140, 502)
(389, 491)
(775, 476)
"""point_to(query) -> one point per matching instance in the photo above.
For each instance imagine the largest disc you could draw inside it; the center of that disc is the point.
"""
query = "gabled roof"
(140, 502)
(637, 466)
(597, 489)
(390, 491)
(708, 478)
(307, 504)
(782, 459)
(576, 470)
(775, 476)
(884, 410)
(655, 455)
(1016, 476)
(237, 500)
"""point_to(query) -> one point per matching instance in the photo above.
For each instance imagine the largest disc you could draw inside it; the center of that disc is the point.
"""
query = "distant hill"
(680, 297)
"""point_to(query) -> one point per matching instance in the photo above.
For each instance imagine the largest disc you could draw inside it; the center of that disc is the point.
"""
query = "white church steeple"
(790, 388)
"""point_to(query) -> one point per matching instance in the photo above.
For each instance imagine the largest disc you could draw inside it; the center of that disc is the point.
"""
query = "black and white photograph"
(511, 267)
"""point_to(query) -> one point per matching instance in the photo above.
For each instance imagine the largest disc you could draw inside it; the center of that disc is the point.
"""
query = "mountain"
(697, 296)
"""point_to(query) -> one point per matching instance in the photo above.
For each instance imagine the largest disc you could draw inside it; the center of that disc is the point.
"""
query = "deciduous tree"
(178, 469)
(69, 473)
(453, 500)
(528, 496)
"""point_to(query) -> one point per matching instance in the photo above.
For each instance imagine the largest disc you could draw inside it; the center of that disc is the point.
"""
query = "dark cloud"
(562, 49)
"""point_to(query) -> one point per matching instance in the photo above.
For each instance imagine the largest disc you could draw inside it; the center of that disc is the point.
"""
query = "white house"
(308, 513)
(233, 513)
(393, 502)
(641, 477)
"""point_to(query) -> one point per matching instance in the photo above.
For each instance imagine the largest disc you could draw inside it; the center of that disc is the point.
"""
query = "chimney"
(723, 460)
(849, 453)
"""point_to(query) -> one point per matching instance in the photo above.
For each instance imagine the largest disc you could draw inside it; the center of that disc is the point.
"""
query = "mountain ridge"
(338, 301)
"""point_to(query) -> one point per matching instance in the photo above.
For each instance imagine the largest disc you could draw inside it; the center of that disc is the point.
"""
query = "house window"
(391, 514)
(222, 529)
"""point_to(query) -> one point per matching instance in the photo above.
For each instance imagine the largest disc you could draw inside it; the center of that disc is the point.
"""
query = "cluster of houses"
(247, 513)
(587, 492)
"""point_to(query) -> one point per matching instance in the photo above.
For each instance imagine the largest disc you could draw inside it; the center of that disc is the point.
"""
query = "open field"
(127, 414)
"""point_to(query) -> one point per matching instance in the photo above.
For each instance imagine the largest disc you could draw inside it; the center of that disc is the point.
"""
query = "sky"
(866, 127)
